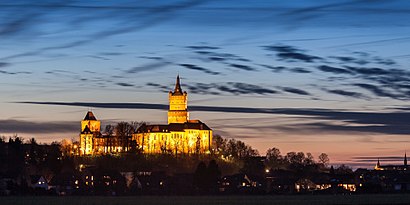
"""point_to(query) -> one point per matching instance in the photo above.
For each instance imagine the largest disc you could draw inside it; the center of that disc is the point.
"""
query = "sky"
(312, 76)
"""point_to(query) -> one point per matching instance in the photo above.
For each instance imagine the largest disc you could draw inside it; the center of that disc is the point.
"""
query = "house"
(68, 183)
(242, 183)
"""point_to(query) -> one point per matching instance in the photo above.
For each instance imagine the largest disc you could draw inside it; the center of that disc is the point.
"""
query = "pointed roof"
(90, 116)
(178, 86)
(378, 162)
(86, 130)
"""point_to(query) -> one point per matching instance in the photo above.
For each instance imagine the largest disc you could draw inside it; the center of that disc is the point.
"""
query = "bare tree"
(109, 131)
(324, 159)
(273, 157)
(123, 132)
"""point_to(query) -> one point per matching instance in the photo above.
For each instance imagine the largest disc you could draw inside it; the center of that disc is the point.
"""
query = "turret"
(377, 167)
(178, 104)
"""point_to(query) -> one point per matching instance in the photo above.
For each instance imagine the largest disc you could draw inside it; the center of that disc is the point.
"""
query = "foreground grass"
(382, 199)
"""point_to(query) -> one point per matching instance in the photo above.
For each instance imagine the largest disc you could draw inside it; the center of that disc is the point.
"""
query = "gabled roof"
(35, 178)
(174, 127)
(90, 116)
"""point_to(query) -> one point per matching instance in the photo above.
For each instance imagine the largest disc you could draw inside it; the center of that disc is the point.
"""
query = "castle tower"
(178, 105)
(90, 128)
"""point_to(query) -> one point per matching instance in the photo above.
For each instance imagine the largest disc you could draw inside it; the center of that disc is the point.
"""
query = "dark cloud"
(125, 84)
(233, 88)
(220, 57)
(378, 90)
(242, 67)
(375, 158)
(348, 59)
(14, 73)
(18, 126)
(130, 18)
(299, 70)
(111, 53)
(330, 69)
(151, 57)
(213, 58)
(347, 93)
(369, 122)
(295, 91)
(149, 67)
(195, 67)
(372, 71)
(203, 47)
(202, 88)
(362, 58)
(162, 88)
(98, 57)
(290, 53)
(275, 69)
(157, 85)
(245, 88)
(4, 64)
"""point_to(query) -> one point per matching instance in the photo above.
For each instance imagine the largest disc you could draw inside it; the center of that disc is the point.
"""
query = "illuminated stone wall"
(189, 141)
(86, 144)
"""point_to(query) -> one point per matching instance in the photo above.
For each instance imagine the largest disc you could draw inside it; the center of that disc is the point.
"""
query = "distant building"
(180, 135)
(392, 167)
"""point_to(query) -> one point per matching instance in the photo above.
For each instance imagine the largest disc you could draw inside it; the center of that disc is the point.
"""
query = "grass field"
(211, 200)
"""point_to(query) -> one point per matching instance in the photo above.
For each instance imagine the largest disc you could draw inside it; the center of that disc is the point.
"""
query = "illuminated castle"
(180, 135)
(392, 167)
(93, 142)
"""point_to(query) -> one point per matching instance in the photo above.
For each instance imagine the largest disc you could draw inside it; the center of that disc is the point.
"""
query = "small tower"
(178, 105)
(90, 128)
(378, 167)
(405, 160)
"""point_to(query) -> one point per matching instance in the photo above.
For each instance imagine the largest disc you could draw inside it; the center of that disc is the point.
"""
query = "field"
(211, 200)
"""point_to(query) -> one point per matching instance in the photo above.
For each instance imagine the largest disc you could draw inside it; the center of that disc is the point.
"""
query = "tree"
(109, 131)
(218, 144)
(273, 158)
(66, 147)
(201, 177)
(309, 159)
(214, 173)
(343, 169)
(324, 159)
(123, 132)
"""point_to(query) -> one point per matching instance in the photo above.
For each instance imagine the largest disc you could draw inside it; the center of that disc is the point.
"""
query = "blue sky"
(312, 76)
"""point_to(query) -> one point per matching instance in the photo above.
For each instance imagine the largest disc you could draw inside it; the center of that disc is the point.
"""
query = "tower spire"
(178, 86)
(405, 158)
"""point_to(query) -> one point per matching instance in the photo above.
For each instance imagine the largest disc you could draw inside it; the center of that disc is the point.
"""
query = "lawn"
(211, 200)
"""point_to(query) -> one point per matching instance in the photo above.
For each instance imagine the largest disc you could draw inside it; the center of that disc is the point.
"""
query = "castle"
(180, 135)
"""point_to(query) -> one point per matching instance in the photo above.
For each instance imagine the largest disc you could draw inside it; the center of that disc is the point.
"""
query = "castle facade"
(180, 136)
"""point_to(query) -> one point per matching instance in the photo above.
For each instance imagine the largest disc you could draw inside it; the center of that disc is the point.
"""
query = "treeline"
(232, 156)
(295, 160)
